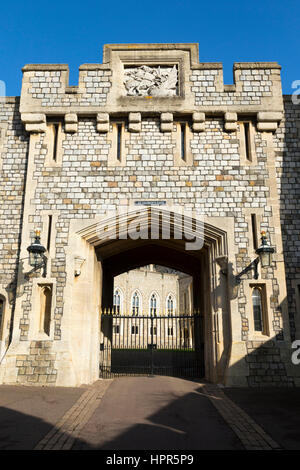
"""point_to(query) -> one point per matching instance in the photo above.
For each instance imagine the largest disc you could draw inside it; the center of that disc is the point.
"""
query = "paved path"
(163, 413)
(249, 432)
(63, 435)
(140, 413)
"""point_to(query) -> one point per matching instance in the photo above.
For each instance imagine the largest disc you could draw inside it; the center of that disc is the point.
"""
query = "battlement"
(151, 78)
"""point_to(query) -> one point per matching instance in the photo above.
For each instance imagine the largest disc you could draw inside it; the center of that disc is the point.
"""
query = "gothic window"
(153, 305)
(135, 305)
(117, 302)
(170, 305)
(257, 309)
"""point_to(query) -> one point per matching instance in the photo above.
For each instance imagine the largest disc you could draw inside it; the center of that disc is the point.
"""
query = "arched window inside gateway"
(117, 302)
(153, 305)
(170, 305)
(135, 308)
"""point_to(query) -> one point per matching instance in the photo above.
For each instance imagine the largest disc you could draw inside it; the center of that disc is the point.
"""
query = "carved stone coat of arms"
(151, 81)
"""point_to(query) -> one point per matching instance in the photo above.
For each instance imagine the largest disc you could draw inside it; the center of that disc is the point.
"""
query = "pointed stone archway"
(102, 257)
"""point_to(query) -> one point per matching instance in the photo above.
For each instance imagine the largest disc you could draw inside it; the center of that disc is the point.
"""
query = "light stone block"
(102, 117)
(267, 116)
(166, 126)
(71, 118)
(134, 126)
(71, 127)
(198, 126)
(32, 118)
(135, 117)
(230, 117)
(198, 117)
(230, 126)
(166, 117)
(36, 128)
(103, 127)
(267, 126)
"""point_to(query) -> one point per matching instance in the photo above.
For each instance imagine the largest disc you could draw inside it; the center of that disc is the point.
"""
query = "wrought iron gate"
(147, 345)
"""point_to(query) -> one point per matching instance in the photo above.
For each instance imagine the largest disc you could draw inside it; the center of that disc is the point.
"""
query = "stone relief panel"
(151, 81)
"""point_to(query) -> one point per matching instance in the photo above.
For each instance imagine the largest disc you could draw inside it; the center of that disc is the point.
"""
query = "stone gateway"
(90, 172)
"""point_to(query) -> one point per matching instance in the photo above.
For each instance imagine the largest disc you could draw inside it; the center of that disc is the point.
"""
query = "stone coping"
(200, 65)
(9, 99)
(47, 67)
(256, 65)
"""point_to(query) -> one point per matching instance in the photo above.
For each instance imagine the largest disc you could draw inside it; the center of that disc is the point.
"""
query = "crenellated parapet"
(138, 79)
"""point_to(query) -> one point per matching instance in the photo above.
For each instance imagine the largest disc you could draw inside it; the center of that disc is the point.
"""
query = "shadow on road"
(160, 413)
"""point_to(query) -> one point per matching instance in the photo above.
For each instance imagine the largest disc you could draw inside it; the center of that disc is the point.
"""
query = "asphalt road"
(276, 410)
(28, 413)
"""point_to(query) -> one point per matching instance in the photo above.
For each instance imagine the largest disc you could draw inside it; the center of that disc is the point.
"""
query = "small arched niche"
(45, 308)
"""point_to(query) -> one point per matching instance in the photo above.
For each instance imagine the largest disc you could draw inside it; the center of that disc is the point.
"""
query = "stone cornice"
(192, 48)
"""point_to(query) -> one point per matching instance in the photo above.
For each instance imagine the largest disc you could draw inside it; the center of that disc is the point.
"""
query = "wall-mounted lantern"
(264, 252)
(36, 251)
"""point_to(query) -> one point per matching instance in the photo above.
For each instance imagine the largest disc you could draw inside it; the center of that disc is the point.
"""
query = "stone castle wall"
(216, 179)
(13, 162)
(288, 177)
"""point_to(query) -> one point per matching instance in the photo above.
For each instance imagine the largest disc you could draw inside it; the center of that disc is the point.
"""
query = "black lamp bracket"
(252, 265)
(43, 265)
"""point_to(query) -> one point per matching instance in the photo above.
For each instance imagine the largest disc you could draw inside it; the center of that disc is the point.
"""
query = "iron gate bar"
(144, 345)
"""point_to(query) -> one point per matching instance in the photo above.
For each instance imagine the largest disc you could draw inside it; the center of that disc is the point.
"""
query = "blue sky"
(74, 33)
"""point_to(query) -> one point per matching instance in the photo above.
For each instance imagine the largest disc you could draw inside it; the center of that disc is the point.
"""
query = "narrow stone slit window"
(55, 140)
(183, 140)
(49, 232)
(254, 231)
(247, 141)
(2, 304)
(119, 141)
(45, 308)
